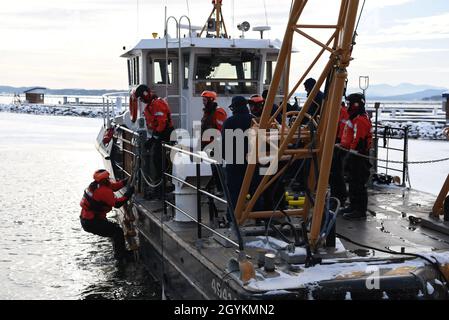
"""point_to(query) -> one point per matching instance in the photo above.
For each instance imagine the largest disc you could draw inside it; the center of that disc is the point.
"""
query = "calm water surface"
(46, 162)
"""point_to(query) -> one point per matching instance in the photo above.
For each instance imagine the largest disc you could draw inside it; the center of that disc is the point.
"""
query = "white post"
(118, 105)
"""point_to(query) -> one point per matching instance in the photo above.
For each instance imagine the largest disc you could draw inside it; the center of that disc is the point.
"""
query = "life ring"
(133, 107)
(108, 135)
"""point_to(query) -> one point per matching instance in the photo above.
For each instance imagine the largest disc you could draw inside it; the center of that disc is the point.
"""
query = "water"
(46, 162)
(428, 177)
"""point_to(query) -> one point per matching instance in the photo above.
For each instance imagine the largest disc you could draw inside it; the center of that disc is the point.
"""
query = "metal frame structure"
(387, 133)
(219, 20)
(334, 75)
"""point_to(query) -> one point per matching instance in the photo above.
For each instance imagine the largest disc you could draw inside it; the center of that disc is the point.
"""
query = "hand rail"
(203, 225)
(236, 228)
(195, 155)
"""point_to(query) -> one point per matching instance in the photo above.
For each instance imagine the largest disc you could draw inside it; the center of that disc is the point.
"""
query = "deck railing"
(198, 220)
(387, 133)
(111, 103)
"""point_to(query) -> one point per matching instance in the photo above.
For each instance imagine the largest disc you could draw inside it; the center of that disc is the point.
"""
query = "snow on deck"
(311, 276)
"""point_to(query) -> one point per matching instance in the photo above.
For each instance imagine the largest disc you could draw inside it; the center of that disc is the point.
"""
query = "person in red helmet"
(213, 115)
(336, 180)
(256, 103)
(159, 123)
(357, 138)
(213, 118)
(97, 201)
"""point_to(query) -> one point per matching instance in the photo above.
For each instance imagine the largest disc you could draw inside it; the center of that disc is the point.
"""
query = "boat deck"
(387, 226)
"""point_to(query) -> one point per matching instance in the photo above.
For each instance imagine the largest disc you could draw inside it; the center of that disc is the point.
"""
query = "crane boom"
(318, 144)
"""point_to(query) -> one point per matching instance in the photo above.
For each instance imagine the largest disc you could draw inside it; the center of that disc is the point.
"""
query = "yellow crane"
(339, 47)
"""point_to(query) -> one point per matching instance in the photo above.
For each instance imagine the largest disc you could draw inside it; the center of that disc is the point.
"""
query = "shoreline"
(419, 130)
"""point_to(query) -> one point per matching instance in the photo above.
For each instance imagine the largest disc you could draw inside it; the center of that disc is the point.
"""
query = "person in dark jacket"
(315, 107)
(357, 138)
(275, 107)
(236, 165)
(97, 201)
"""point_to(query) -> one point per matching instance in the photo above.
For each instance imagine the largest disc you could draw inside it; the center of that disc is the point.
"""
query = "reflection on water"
(46, 162)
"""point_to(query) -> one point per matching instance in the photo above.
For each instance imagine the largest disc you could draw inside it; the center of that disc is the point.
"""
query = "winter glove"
(125, 181)
(129, 192)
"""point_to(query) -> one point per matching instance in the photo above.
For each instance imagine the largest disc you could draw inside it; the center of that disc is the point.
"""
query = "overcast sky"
(77, 43)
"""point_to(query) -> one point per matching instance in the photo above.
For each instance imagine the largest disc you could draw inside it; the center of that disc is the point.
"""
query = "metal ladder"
(182, 111)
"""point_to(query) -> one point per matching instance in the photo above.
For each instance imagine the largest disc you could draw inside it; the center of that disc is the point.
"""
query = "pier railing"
(421, 111)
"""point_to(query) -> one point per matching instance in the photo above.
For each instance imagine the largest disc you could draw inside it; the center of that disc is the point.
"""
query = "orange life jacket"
(98, 200)
(158, 117)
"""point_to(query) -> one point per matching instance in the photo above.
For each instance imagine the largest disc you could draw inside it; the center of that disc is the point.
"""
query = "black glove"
(129, 192)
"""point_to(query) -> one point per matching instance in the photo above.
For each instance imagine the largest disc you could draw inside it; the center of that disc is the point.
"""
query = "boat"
(306, 251)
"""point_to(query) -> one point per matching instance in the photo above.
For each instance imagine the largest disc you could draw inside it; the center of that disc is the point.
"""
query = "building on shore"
(35, 95)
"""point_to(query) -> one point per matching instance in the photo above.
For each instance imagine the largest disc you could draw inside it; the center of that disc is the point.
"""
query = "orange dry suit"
(98, 200)
(158, 118)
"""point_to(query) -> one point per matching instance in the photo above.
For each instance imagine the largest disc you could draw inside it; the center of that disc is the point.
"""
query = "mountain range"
(402, 92)
(381, 92)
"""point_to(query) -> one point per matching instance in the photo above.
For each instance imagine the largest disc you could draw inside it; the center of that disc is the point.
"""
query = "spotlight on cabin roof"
(244, 27)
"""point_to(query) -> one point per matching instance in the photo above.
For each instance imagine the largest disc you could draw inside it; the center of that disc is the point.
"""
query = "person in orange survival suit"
(97, 201)
(213, 118)
(213, 115)
(158, 119)
(357, 138)
(336, 180)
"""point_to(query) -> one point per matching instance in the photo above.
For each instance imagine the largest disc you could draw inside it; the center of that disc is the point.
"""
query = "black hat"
(238, 102)
(141, 89)
(309, 83)
(357, 99)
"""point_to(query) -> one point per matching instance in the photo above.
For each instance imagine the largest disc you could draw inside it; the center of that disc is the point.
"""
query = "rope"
(435, 264)
(393, 161)
(152, 185)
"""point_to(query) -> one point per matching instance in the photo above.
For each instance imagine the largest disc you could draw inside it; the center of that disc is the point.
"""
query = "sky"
(77, 43)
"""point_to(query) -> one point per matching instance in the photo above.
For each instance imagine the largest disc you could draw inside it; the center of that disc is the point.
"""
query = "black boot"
(345, 210)
(355, 215)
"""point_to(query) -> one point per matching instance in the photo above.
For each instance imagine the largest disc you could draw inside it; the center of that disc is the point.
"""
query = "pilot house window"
(133, 71)
(162, 72)
(236, 74)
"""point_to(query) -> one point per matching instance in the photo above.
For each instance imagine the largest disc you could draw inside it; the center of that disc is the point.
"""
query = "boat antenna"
(215, 22)
(188, 8)
(137, 19)
(265, 8)
(233, 16)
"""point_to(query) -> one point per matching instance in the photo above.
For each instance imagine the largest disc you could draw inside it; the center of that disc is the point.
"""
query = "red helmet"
(210, 95)
(256, 99)
(101, 175)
